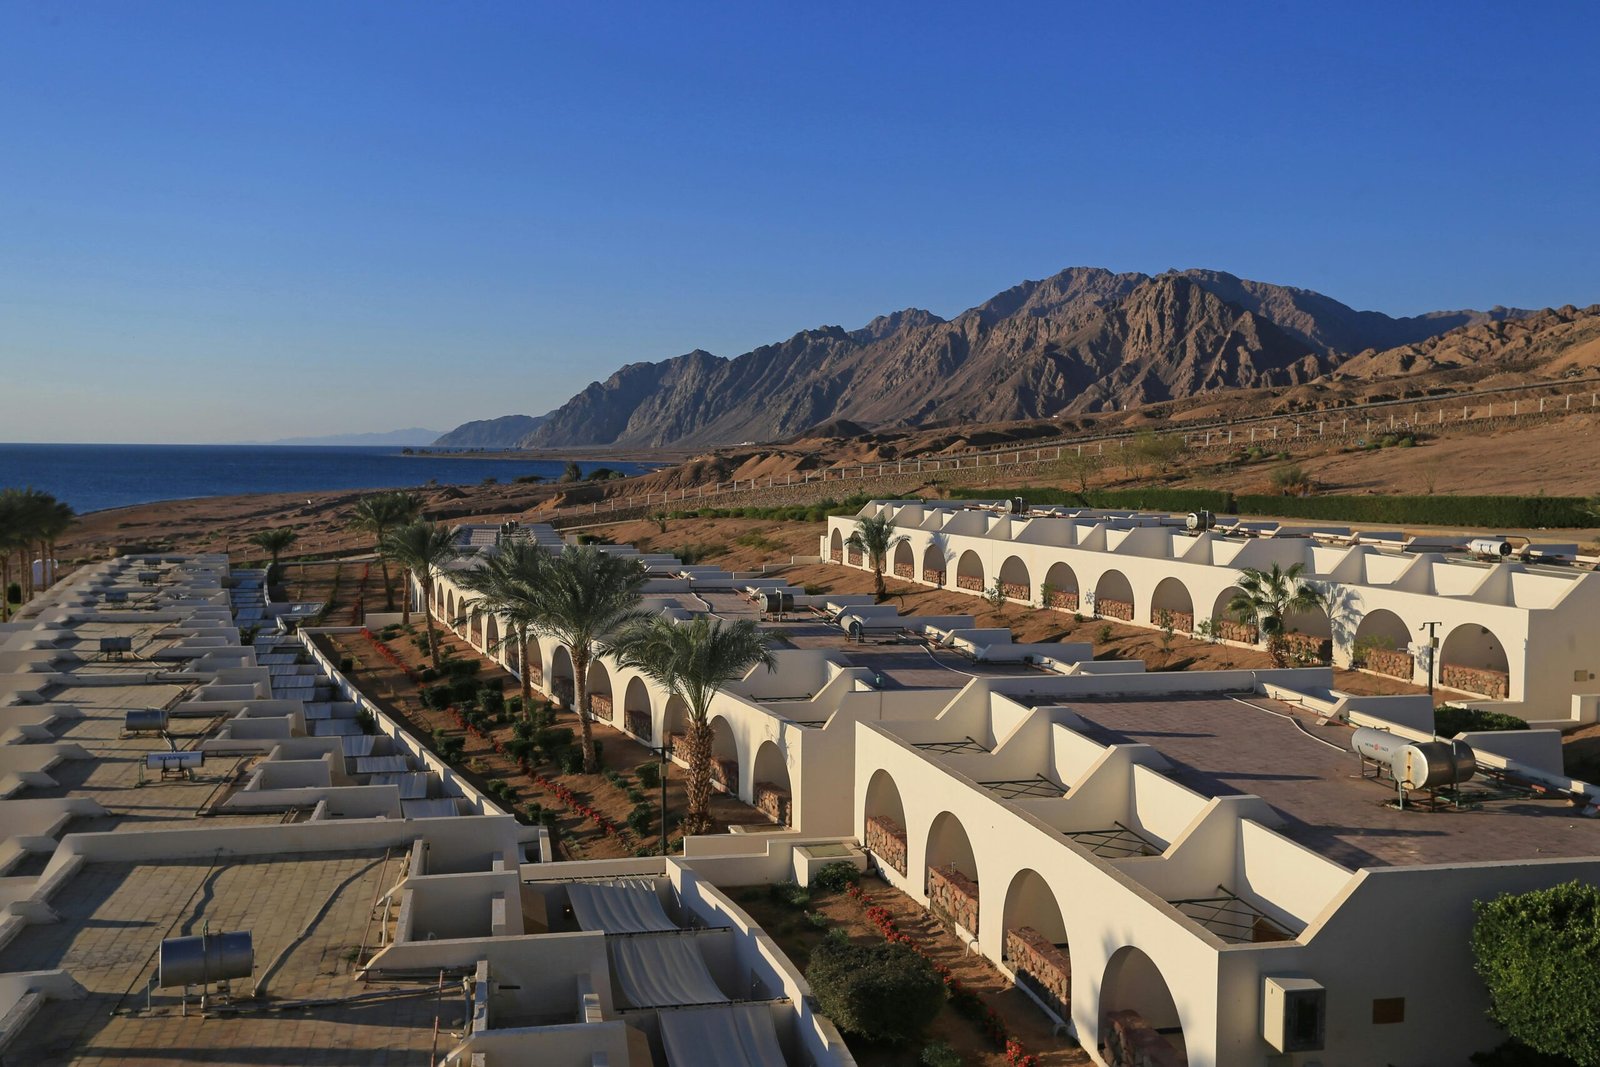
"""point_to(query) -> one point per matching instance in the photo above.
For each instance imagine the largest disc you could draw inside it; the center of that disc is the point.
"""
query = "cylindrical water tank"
(204, 959)
(1417, 764)
(1489, 546)
(140, 720)
(1199, 521)
(187, 760)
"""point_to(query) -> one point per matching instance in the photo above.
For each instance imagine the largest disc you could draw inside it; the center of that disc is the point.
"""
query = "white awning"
(626, 906)
(737, 1036)
(662, 970)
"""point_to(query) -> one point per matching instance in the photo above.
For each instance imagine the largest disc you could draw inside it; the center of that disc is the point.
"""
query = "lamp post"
(665, 754)
(1433, 650)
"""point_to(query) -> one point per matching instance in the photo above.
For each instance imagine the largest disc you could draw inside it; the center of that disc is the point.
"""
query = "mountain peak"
(1083, 339)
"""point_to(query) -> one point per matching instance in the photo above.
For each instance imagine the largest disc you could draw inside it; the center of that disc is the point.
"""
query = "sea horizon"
(93, 477)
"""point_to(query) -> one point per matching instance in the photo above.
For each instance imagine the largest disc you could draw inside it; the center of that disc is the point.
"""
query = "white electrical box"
(1293, 1013)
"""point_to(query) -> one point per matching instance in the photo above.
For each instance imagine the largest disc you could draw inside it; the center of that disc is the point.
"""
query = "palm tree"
(876, 537)
(30, 521)
(1266, 598)
(275, 542)
(582, 597)
(378, 514)
(695, 661)
(421, 548)
(505, 585)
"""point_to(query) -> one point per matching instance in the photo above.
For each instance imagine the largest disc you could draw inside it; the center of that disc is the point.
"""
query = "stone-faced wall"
(1028, 952)
(886, 839)
(1234, 630)
(1389, 661)
(774, 802)
(1475, 680)
(725, 772)
(1063, 601)
(954, 897)
(1113, 609)
(1132, 1042)
(933, 577)
(638, 723)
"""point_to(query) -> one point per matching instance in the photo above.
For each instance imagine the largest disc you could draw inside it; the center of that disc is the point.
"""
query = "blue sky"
(227, 221)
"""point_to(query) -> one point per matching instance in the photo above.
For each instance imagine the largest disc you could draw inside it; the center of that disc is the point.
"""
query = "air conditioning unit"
(1294, 1013)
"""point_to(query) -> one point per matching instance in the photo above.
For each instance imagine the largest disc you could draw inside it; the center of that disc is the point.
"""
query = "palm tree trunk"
(525, 672)
(405, 605)
(580, 695)
(433, 639)
(383, 567)
(698, 742)
(878, 588)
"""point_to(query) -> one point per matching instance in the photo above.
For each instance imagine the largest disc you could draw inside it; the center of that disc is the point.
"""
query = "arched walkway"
(933, 563)
(512, 655)
(952, 873)
(905, 561)
(491, 638)
(1310, 635)
(1014, 580)
(600, 702)
(535, 663)
(1135, 1002)
(636, 716)
(1472, 659)
(1035, 946)
(770, 789)
(724, 755)
(1061, 582)
(475, 628)
(1113, 597)
(1171, 602)
(1226, 625)
(450, 609)
(836, 547)
(969, 572)
(675, 722)
(1380, 644)
(884, 825)
(562, 680)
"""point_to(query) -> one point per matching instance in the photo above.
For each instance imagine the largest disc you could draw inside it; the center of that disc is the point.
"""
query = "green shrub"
(939, 1054)
(818, 920)
(1150, 499)
(436, 697)
(1104, 634)
(790, 894)
(641, 818)
(1449, 720)
(1514, 1053)
(428, 674)
(1511, 512)
(1530, 950)
(570, 759)
(883, 991)
(367, 721)
(514, 705)
(649, 774)
(837, 876)
(636, 795)
(346, 665)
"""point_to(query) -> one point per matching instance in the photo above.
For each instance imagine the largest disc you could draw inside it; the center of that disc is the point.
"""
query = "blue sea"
(93, 477)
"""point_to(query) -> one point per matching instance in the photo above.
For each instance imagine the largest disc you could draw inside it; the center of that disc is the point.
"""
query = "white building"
(1517, 634)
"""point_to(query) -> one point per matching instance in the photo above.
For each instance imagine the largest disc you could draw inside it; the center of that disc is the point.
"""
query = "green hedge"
(1449, 720)
(1505, 512)
(1530, 951)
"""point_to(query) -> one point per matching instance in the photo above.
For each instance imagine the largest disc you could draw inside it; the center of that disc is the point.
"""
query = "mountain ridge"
(1083, 340)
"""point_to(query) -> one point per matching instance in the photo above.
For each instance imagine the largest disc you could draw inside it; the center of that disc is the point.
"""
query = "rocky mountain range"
(1084, 340)
(503, 432)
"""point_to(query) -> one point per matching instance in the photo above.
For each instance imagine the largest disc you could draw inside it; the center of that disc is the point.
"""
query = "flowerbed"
(392, 656)
(963, 1000)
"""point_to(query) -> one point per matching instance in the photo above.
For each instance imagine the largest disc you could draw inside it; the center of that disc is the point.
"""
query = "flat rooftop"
(1223, 746)
(309, 915)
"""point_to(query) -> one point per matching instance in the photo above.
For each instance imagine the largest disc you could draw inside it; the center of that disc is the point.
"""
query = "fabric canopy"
(662, 971)
(737, 1036)
(624, 907)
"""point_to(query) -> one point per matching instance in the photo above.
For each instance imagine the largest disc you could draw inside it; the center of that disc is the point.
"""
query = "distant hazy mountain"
(503, 432)
(1081, 341)
(397, 438)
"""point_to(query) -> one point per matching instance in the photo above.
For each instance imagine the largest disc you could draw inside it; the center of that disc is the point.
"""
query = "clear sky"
(231, 220)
